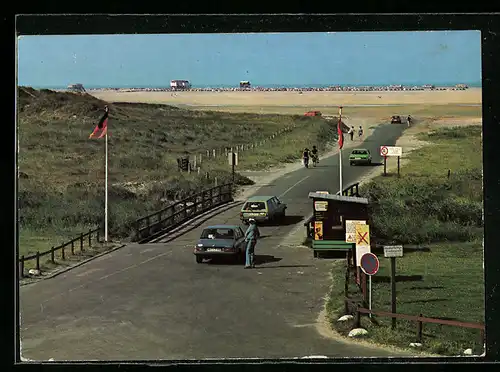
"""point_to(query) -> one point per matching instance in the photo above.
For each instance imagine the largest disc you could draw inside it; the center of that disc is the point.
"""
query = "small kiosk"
(327, 225)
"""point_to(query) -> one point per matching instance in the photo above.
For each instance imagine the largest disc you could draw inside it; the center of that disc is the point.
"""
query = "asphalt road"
(153, 301)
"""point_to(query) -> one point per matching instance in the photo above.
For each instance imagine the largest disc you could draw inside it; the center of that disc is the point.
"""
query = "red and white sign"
(391, 151)
(369, 263)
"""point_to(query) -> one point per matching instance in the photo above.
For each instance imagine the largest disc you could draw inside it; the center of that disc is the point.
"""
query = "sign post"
(393, 251)
(386, 151)
(362, 239)
(233, 161)
(370, 265)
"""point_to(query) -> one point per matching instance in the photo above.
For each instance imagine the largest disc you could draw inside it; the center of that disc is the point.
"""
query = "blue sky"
(264, 59)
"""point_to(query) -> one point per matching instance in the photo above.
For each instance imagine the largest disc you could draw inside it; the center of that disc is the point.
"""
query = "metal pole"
(385, 165)
(370, 294)
(106, 191)
(393, 290)
(340, 152)
(233, 158)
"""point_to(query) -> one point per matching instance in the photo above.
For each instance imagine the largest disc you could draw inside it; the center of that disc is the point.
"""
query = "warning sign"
(350, 230)
(362, 234)
(320, 206)
(318, 230)
(362, 239)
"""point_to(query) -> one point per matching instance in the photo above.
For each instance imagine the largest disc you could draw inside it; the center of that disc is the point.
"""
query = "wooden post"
(346, 283)
(38, 260)
(72, 247)
(393, 290)
(213, 151)
(62, 252)
(449, 173)
(98, 233)
(419, 329)
(358, 318)
(81, 242)
(398, 166)
(52, 255)
(385, 165)
(233, 155)
(21, 266)
(90, 238)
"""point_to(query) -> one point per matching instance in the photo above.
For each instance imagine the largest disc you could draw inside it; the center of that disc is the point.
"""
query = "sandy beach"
(471, 96)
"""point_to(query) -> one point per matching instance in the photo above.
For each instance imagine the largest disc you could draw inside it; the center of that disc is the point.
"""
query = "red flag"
(102, 126)
(340, 134)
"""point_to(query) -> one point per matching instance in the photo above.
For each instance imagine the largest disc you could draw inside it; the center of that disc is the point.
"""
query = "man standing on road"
(251, 236)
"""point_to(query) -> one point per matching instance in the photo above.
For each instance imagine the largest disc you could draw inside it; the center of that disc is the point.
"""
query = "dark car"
(396, 119)
(220, 241)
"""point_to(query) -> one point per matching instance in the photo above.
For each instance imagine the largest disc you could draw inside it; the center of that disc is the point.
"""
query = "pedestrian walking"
(251, 236)
(360, 131)
(351, 132)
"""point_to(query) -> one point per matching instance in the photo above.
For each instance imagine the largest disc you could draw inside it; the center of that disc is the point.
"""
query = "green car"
(263, 209)
(360, 156)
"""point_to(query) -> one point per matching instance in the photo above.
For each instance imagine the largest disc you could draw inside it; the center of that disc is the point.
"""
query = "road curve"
(152, 301)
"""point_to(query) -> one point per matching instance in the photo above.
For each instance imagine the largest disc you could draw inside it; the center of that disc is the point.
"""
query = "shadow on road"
(287, 221)
(260, 259)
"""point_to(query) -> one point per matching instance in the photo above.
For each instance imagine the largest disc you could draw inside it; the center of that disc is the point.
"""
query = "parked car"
(396, 119)
(263, 209)
(360, 156)
(313, 113)
(220, 240)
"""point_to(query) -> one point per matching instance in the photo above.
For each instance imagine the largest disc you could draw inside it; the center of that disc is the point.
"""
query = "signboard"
(362, 234)
(318, 230)
(362, 240)
(320, 206)
(393, 251)
(391, 151)
(369, 263)
(350, 230)
(230, 157)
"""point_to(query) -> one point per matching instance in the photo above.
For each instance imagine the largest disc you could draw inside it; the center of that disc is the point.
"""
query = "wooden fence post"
(81, 242)
(38, 260)
(358, 318)
(419, 329)
(90, 238)
(52, 255)
(21, 266)
(62, 252)
(97, 235)
(72, 247)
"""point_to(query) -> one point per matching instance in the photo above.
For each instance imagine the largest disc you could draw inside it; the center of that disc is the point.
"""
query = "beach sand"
(471, 96)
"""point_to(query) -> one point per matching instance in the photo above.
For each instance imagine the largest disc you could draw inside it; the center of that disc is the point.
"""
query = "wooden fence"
(76, 243)
(196, 160)
(356, 305)
(175, 214)
(352, 190)
(419, 321)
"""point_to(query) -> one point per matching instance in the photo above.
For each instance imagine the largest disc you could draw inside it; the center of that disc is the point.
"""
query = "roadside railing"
(175, 214)
(79, 243)
(419, 321)
(352, 190)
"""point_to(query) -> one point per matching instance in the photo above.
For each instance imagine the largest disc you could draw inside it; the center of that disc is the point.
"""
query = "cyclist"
(305, 157)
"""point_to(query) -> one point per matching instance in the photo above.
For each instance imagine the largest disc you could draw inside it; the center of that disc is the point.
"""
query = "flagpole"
(106, 189)
(340, 151)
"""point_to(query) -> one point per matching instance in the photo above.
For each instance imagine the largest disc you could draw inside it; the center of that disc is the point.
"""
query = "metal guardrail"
(175, 214)
(82, 239)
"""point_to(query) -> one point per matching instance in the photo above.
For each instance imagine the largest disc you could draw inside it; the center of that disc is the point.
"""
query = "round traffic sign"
(384, 150)
(369, 263)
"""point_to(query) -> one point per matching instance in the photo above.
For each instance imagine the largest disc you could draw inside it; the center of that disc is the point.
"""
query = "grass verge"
(426, 207)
